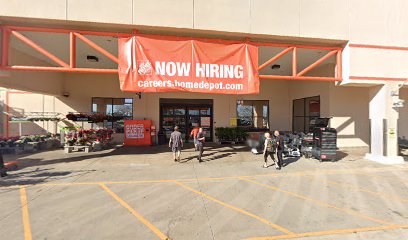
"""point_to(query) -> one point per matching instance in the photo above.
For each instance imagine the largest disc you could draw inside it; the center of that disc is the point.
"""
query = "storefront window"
(120, 108)
(304, 110)
(253, 114)
(179, 111)
(205, 111)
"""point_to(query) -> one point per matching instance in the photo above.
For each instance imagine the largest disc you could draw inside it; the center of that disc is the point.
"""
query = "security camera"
(394, 93)
(398, 103)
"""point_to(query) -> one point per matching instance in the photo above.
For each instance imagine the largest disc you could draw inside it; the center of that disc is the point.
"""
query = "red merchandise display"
(138, 132)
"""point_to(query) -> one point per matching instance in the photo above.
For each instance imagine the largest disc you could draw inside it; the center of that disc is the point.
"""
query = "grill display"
(325, 143)
(324, 140)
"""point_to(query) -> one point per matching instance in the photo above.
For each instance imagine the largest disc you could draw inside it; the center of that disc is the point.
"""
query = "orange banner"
(165, 64)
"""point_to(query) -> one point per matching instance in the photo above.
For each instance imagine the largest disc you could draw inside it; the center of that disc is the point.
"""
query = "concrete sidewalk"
(140, 193)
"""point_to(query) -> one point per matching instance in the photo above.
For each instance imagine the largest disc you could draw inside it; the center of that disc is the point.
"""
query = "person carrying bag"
(269, 149)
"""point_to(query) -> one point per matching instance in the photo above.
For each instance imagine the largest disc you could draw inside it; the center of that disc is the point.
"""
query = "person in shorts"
(193, 135)
(176, 143)
(269, 149)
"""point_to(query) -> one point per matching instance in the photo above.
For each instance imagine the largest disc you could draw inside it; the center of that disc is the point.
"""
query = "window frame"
(112, 99)
(305, 114)
(253, 128)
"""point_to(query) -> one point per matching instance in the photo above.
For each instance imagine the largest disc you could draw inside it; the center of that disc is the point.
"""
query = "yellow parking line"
(332, 232)
(318, 202)
(277, 227)
(348, 186)
(132, 211)
(25, 214)
(300, 173)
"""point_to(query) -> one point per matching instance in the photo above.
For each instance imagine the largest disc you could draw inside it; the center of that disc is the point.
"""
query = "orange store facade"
(191, 77)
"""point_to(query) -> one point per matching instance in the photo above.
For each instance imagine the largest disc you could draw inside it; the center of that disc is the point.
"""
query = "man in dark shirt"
(280, 147)
(176, 143)
(200, 144)
(3, 170)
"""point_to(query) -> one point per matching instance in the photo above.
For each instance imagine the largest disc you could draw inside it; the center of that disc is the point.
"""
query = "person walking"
(176, 143)
(280, 147)
(193, 135)
(269, 149)
(3, 170)
(200, 144)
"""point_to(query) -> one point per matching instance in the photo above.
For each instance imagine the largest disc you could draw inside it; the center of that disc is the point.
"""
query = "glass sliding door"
(186, 115)
(173, 116)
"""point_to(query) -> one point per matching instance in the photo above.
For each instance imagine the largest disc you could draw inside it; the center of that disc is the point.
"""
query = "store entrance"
(186, 114)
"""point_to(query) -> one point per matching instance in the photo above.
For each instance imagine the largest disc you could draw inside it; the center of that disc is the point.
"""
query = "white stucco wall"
(349, 109)
(379, 22)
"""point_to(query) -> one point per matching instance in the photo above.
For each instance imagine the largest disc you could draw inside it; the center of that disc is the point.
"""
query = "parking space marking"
(383, 177)
(300, 173)
(25, 214)
(318, 202)
(263, 220)
(348, 186)
(134, 212)
(332, 232)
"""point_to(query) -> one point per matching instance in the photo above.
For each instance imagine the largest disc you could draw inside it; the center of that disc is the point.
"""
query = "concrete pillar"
(383, 125)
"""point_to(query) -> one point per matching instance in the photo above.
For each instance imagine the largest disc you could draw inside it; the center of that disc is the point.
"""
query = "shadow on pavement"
(340, 156)
(19, 177)
(123, 150)
(38, 176)
(289, 160)
(207, 157)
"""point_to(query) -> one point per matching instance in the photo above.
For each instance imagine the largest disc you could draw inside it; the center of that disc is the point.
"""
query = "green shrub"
(231, 134)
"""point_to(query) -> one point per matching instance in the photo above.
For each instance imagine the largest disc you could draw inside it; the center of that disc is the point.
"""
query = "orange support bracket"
(313, 65)
(63, 67)
(279, 55)
(60, 69)
(294, 62)
(79, 34)
(298, 78)
(72, 50)
(5, 46)
(39, 49)
(339, 62)
(96, 47)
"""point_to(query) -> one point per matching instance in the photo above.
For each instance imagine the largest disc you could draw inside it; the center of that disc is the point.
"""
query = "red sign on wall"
(164, 64)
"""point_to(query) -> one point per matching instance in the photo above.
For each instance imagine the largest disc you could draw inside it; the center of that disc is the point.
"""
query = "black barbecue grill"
(324, 139)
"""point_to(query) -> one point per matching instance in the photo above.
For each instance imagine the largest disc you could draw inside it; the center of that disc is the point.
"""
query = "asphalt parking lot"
(142, 194)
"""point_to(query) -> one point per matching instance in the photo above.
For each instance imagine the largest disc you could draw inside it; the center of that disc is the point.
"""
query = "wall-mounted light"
(275, 67)
(139, 94)
(91, 58)
(394, 93)
(398, 103)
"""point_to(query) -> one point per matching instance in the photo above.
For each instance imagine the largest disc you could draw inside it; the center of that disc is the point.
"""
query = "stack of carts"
(293, 144)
